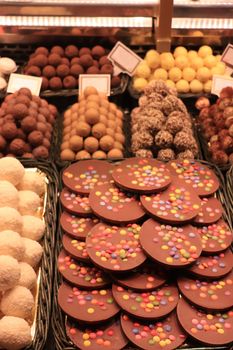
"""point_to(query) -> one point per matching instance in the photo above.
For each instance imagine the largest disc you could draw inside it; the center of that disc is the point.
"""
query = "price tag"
(102, 82)
(219, 82)
(124, 59)
(18, 81)
(227, 56)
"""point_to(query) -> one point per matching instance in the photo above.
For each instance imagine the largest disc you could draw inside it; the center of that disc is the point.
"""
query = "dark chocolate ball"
(93, 70)
(17, 147)
(49, 71)
(20, 111)
(9, 130)
(58, 50)
(54, 59)
(86, 61)
(63, 70)
(42, 50)
(45, 83)
(76, 69)
(42, 127)
(28, 124)
(40, 152)
(23, 99)
(2, 143)
(104, 60)
(106, 69)
(35, 138)
(75, 60)
(64, 60)
(55, 83)
(69, 82)
(33, 70)
(84, 51)
(98, 51)
(21, 134)
(32, 112)
(71, 51)
(40, 60)
(53, 109)
(26, 92)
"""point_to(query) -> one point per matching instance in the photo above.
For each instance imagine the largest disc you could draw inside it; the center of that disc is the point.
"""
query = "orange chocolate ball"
(106, 142)
(115, 153)
(67, 154)
(91, 144)
(83, 129)
(83, 155)
(76, 143)
(98, 130)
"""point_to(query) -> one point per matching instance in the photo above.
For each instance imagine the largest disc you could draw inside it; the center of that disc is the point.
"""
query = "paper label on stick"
(219, 82)
(102, 82)
(227, 56)
(18, 81)
(124, 59)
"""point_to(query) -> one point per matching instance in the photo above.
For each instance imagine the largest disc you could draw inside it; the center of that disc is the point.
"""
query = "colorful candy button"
(199, 176)
(115, 248)
(147, 305)
(170, 245)
(165, 334)
(75, 226)
(204, 326)
(76, 248)
(75, 204)
(79, 274)
(216, 237)
(83, 176)
(87, 306)
(142, 175)
(107, 336)
(213, 266)
(211, 211)
(213, 295)
(177, 204)
(111, 204)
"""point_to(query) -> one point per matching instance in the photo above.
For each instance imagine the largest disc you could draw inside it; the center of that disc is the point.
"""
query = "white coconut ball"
(11, 170)
(9, 272)
(8, 195)
(11, 244)
(33, 252)
(18, 302)
(15, 333)
(29, 202)
(10, 219)
(32, 181)
(33, 227)
(27, 276)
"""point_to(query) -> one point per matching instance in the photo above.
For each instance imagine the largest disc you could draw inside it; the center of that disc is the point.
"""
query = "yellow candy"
(87, 343)
(156, 338)
(85, 336)
(103, 292)
(90, 310)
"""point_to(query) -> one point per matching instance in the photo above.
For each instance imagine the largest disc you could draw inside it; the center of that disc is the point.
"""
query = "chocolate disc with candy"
(213, 266)
(211, 211)
(165, 334)
(75, 226)
(87, 306)
(147, 305)
(111, 204)
(142, 175)
(216, 237)
(177, 204)
(81, 275)
(208, 328)
(75, 204)
(199, 176)
(76, 248)
(144, 278)
(170, 245)
(115, 248)
(212, 295)
(106, 336)
(81, 177)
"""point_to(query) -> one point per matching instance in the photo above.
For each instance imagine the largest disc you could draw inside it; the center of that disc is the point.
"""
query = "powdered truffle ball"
(71, 51)
(29, 202)
(9, 130)
(9, 272)
(55, 83)
(33, 227)
(163, 139)
(63, 70)
(27, 276)
(11, 170)
(8, 195)
(15, 333)
(11, 244)
(166, 154)
(17, 302)
(33, 252)
(10, 219)
(32, 181)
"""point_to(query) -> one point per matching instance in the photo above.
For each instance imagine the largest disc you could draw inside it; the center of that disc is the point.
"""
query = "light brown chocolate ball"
(99, 155)
(67, 154)
(115, 153)
(83, 155)
(106, 143)
(76, 143)
(98, 130)
(65, 145)
(92, 116)
(83, 129)
(91, 144)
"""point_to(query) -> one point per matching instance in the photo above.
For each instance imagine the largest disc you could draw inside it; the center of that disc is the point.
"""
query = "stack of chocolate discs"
(145, 256)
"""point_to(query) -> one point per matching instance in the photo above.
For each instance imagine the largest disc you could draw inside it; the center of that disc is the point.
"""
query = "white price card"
(227, 56)
(102, 82)
(18, 81)
(219, 82)
(123, 59)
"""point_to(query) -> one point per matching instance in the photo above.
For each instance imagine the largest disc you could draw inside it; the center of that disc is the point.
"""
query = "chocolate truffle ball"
(35, 138)
(20, 111)
(54, 59)
(75, 60)
(93, 70)
(76, 143)
(58, 50)
(84, 51)
(106, 69)
(17, 147)
(83, 129)
(71, 51)
(96, 64)
(49, 71)
(86, 61)
(40, 152)
(40, 60)
(45, 84)
(230, 158)
(21, 134)
(173, 125)
(144, 153)
(91, 144)
(23, 99)
(183, 141)
(172, 103)
(98, 51)
(141, 140)
(106, 143)
(115, 154)
(104, 60)
(55, 83)
(115, 81)
(76, 69)
(227, 144)
(67, 154)
(42, 50)
(220, 158)
(185, 155)
(166, 154)
(8, 118)
(2, 143)
(9, 130)
(33, 70)
(99, 155)
(69, 82)
(65, 61)
(28, 124)
(163, 139)
(63, 70)
(98, 130)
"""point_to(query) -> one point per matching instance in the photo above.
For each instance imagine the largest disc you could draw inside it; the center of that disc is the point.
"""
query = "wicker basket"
(229, 181)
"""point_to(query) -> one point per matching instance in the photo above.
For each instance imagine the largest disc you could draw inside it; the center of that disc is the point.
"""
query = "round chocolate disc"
(170, 245)
(199, 176)
(211, 211)
(115, 248)
(111, 204)
(142, 175)
(144, 278)
(208, 328)
(108, 335)
(87, 306)
(75, 204)
(79, 274)
(213, 266)
(216, 237)
(81, 177)
(77, 249)
(212, 295)
(177, 204)
(147, 305)
(165, 334)
(75, 226)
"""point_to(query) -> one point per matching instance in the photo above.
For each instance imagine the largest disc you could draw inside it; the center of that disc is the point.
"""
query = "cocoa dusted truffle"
(106, 69)
(45, 83)
(76, 69)
(40, 60)
(173, 124)
(93, 70)
(49, 71)
(28, 124)
(35, 138)
(163, 139)
(33, 70)
(71, 51)
(65, 60)
(55, 83)
(86, 61)
(69, 82)
(75, 60)
(104, 60)
(98, 51)
(23, 99)
(9, 130)
(84, 51)
(54, 59)
(20, 111)
(185, 155)
(17, 147)
(144, 153)
(58, 50)
(25, 91)
(40, 152)
(63, 70)
(42, 50)
(166, 154)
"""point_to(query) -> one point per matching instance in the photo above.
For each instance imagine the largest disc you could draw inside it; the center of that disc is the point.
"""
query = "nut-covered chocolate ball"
(144, 153)
(163, 139)
(63, 70)
(71, 51)
(69, 82)
(9, 130)
(40, 60)
(166, 154)
(28, 124)
(173, 125)
(185, 155)
(49, 71)
(55, 83)
(86, 61)
(17, 147)
(35, 138)
(54, 59)
(40, 152)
